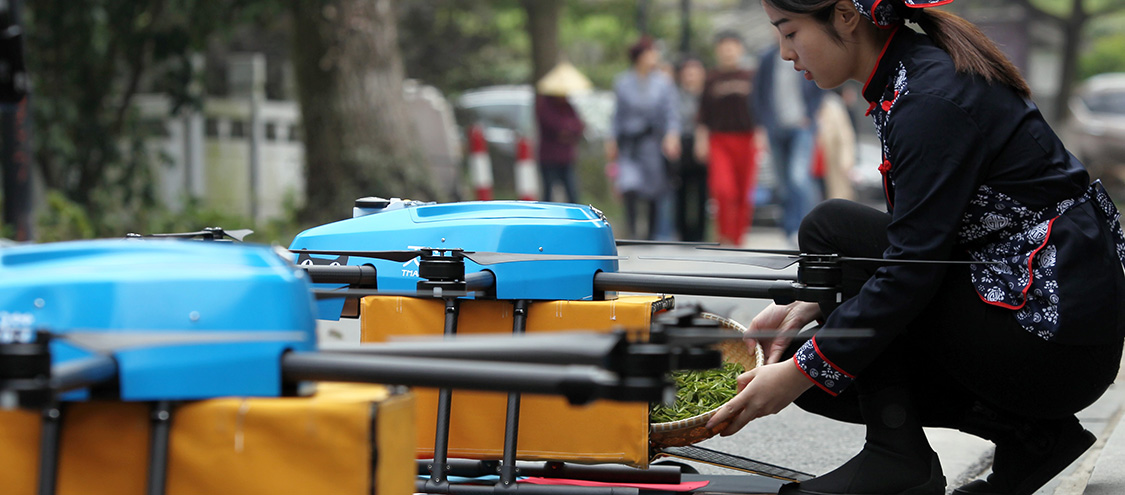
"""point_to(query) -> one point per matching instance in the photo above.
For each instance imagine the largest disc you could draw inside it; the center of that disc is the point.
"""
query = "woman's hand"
(611, 149)
(671, 145)
(761, 392)
(702, 144)
(787, 319)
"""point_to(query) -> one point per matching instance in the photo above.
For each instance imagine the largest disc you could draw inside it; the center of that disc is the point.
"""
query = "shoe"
(827, 484)
(896, 458)
(1030, 455)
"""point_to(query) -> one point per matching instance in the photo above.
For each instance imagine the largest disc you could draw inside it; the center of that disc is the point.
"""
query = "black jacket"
(972, 171)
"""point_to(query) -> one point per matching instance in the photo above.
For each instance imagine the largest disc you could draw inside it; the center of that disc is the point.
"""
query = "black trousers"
(633, 204)
(960, 350)
(691, 193)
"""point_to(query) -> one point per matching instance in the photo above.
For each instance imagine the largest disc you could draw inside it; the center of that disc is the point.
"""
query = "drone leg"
(49, 437)
(512, 422)
(158, 447)
(438, 471)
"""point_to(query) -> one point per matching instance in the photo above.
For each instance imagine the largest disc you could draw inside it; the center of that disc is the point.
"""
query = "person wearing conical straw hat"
(560, 128)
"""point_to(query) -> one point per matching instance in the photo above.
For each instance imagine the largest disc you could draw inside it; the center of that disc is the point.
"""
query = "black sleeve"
(937, 155)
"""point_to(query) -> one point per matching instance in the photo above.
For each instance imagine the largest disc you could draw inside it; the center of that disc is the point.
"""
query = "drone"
(164, 323)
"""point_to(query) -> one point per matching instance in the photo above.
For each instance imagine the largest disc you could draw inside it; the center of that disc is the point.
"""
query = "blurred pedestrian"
(725, 138)
(646, 128)
(666, 221)
(835, 147)
(560, 128)
(786, 105)
(690, 172)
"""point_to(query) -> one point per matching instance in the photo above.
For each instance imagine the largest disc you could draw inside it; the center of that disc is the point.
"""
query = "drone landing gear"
(49, 435)
(512, 419)
(439, 468)
(158, 447)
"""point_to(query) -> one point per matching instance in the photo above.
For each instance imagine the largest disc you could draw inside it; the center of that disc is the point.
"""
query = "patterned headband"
(889, 13)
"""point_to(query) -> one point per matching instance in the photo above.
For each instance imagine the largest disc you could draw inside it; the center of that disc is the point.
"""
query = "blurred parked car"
(506, 113)
(1095, 132)
(434, 122)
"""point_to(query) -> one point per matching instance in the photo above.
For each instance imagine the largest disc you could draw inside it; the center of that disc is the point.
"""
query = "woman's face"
(728, 53)
(812, 49)
(692, 76)
(648, 59)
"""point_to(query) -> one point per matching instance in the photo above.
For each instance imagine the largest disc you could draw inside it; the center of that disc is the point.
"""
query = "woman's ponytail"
(971, 50)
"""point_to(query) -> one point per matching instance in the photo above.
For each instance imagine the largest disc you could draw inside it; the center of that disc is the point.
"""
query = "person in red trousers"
(725, 139)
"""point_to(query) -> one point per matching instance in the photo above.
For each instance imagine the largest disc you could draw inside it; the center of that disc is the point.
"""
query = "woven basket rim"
(701, 419)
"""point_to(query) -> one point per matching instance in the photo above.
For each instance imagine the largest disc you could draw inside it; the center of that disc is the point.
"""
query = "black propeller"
(207, 234)
(436, 292)
(777, 260)
(478, 257)
(642, 242)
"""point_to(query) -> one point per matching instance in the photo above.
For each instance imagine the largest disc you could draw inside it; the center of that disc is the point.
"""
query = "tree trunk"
(358, 138)
(543, 28)
(1072, 39)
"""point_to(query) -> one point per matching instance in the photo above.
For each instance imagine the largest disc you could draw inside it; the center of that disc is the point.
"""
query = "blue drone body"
(493, 226)
(183, 319)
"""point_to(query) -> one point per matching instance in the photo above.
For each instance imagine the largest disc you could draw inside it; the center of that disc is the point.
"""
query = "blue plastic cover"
(226, 311)
(495, 226)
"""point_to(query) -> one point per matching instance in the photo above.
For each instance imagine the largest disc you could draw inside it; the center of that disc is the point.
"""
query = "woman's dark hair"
(685, 60)
(971, 50)
(642, 45)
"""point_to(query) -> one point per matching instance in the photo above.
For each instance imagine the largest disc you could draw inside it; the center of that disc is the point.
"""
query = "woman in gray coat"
(646, 128)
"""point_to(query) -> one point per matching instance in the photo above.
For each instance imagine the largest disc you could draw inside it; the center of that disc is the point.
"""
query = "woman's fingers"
(744, 379)
(740, 420)
(777, 350)
(734, 406)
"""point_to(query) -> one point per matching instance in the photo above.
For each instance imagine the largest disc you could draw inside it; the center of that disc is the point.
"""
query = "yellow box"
(319, 444)
(550, 428)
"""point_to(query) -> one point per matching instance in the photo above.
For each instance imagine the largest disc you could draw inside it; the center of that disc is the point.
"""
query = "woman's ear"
(845, 17)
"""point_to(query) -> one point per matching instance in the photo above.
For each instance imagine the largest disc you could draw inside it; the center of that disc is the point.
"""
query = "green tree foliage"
(462, 44)
(1106, 54)
(88, 59)
(1073, 19)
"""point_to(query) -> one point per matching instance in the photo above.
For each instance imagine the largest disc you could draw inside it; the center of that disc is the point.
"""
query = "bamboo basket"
(692, 430)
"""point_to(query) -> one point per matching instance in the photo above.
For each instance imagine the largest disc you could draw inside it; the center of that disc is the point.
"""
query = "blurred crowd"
(687, 141)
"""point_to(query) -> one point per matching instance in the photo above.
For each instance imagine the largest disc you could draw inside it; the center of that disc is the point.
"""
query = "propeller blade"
(700, 336)
(771, 262)
(846, 258)
(238, 234)
(642, 242)
(436, 293)
(786, 252)
(111, 341)
(490, 258)
(180, 234)
(401, 256)
(214, 233)
(916, 262)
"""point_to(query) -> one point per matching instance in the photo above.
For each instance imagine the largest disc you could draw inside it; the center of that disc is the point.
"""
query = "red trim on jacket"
(931, 4)
(811, 379)
(884, 168)
(1030, 274)
(879, 60)
(830, 363)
